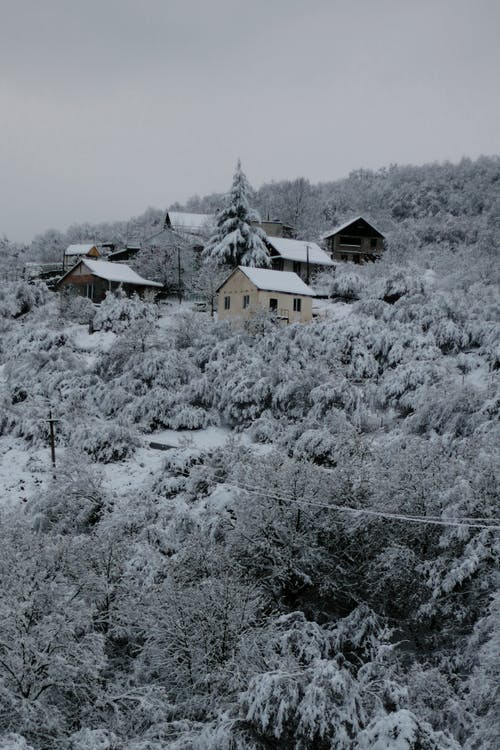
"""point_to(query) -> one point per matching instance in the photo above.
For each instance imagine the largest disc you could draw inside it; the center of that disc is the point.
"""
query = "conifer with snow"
(235, 241)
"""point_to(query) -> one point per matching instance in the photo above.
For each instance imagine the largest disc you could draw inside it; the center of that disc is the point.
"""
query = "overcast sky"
(111, 106)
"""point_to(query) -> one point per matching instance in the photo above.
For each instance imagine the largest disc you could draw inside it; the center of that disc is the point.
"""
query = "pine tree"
(235, 241)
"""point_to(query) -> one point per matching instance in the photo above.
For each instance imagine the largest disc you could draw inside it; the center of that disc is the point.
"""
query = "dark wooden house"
(356, 241)
(93, 278)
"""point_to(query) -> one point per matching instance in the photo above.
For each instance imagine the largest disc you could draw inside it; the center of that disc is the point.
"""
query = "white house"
(248, 290)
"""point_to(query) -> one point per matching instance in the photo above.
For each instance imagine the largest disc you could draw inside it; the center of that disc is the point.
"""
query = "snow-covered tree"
(235, 241)
(206, 282)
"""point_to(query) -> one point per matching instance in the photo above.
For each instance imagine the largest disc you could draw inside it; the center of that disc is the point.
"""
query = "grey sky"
(109, 106)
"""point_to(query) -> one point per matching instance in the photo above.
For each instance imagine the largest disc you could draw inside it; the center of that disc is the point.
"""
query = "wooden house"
(356, 241)
(74, 253)
(301, 257)
(93, 278)
(249, 290)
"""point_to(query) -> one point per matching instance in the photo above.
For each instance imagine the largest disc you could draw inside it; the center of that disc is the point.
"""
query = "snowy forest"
(313, 563)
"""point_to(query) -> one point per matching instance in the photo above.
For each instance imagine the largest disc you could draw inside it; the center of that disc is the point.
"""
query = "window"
(278, 264)
(227, 303)
(273, 304)
(296, 267)
(297, 304)
(89, 291)
(373, 243)
(351, 241)
(246, 301)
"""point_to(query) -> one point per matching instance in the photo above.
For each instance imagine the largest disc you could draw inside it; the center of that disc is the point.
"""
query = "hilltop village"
(213, 246)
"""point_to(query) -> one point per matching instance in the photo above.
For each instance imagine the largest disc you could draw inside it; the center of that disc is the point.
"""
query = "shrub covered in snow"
(120, 313)
(104, 441)
(19, 298)
(346, 285)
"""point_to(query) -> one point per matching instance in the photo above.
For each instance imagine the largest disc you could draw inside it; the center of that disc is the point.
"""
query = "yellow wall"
(238, 285)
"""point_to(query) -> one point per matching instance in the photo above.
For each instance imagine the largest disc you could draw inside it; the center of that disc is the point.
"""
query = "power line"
(429, 520)
(474, 520)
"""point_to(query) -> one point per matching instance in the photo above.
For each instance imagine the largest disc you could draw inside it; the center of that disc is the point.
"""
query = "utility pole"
(51, 422)
(179, 273)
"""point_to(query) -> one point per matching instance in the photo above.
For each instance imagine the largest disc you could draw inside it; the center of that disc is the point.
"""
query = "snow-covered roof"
(276, 281)
(79, 249)
(191, 223)
(346, 224)
(118, 272)
(297, 250)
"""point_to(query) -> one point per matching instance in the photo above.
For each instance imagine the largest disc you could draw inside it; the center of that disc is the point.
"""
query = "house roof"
(346, 224)
(286, 282)
(79, 249)
(187, 222)
(118, 272)
(297, 250)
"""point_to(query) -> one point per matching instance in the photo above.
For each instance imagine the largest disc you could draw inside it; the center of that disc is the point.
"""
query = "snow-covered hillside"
(309, 562)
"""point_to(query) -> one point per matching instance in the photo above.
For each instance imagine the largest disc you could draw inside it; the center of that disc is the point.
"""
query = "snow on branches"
(236, 242)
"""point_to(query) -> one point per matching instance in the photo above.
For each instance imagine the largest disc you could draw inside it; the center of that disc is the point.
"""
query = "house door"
(273, 304)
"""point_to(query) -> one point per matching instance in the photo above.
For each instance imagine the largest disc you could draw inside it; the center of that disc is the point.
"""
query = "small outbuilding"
(74, 253)
(93, 278)
(356, 241)
(303, 258)
(250, 290)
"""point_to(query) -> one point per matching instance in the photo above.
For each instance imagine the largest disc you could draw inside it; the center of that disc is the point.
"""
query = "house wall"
(300, 268)
(79, 281)
(238, 285)
(362, 251)
(274, 228)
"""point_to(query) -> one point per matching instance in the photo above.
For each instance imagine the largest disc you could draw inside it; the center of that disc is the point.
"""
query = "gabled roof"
(79, 249)
(298, 250)
(117, 272)
(346, 224)
(187, 222)
(274, 281)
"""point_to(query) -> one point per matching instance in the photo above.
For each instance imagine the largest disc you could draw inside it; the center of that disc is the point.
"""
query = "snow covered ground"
(23, 472)
(325, 308)
(210, 437)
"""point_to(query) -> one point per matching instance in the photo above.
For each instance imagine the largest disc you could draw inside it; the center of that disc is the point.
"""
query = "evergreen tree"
(235, 241)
